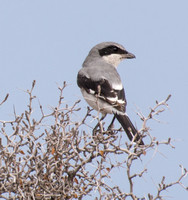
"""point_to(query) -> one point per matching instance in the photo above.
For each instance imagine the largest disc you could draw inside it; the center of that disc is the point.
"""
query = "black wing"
(103, 89)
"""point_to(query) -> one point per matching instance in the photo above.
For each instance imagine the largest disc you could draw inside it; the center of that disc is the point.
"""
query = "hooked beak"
(129, 55)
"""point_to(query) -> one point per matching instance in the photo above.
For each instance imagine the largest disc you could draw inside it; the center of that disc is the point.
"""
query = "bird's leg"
(98, 124)
(111, 124)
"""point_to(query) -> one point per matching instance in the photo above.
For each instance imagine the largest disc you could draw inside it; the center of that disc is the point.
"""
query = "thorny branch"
(55, 157)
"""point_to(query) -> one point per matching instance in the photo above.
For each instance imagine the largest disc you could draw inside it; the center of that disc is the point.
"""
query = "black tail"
(127, 125)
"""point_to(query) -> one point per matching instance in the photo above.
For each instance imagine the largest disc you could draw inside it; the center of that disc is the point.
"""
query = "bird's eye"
(115, 49)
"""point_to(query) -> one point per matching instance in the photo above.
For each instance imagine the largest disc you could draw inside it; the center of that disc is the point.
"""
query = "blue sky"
(49, 40)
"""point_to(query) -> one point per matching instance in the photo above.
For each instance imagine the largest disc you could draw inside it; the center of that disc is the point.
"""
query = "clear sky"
(49, 40)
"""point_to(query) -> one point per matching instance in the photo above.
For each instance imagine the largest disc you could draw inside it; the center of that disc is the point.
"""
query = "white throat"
(113, 59)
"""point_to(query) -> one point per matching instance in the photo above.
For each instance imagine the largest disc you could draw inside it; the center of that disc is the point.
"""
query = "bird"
(101, 85)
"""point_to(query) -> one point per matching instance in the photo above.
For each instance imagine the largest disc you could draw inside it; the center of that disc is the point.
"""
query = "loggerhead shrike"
(101, 85)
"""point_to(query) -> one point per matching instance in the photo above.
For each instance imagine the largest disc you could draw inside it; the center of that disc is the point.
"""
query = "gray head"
(111, 52)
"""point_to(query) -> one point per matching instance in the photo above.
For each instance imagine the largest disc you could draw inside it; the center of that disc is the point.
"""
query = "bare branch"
(53, 157)
(6, 97)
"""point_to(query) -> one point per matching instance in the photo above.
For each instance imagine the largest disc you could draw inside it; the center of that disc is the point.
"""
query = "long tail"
(129, 128)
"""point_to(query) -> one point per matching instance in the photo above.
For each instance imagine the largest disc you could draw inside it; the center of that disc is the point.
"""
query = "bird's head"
(112, 52)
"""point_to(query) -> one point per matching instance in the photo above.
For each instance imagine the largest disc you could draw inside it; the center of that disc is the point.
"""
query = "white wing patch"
(91, 91)
(117, 86)
(113, 99)
(120, 101)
